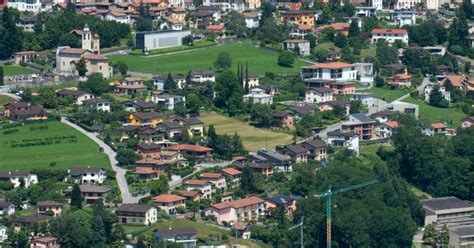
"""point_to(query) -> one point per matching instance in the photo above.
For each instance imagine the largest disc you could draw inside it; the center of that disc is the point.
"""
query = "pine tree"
(238, 70)
(247, 86)
(99, 231)
(1, 76)
(170, 84)
(211, 136)
(76, 197)
(10, 38)
(354, 30)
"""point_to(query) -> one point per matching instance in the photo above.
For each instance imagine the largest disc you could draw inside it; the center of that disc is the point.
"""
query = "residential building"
(92, 193)
(216, 179)
(298, 17)
(88, 175)
(467, 122)
(400, 80)
(147, 173)
(264, 169)
(25, 5)
(167, 101)
(438, 129)
(461, 236)
(405, 4)
(97, 103)
(457, 81)
(136, 214)
(403, 17)
(442, 89)
(19, 111)
(194, 125)
(364, 98)
(145, 119)
(389, 35)
(337, 71)
(277, 160)
(45, 242)
(199, 185)
(297, 153)
(288, 203)
(53, 206)
(366, 11)
(233, 175)
(317, 149)
(318, 95)
(191, 195)
(169, 203)
(6, 208)
(131, 90)
(27, 220)
(185, 236)
(386, 129)
(443, 210)
(258, 95)
(301, 111)
(25, 56)
(302, 46)
(159, 81)
(150, 40)
(119, 16)
(349, 140)
(138, 106)
(15, 178)
(384, 116)
(360, 124)
(283, 119)
(245, 210)
(192, 150)
(201, 76)
(78, 96)
(329, 106)
(167, 23)
(339, 27)
(3, 233)
(172, 129)
(252, 19)
(253, 80)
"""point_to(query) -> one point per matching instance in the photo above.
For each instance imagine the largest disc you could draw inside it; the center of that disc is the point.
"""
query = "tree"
(415, 57)
(247, 181)
(144, 23)
(236, 24)
(346, 55)
(1, 76)
(467, 67)
(229, 93)
(340, 40)
(180, 109)
(379, 81)
(193, 104)
(170, 84)
(126, 156)
(267, 12)
(385, 53)
(18, 238)
(354, 30)
(95, 84)
(437, 98)
(286, 59)
(188, 40)
(159, 186)
(100, 236)
(47, 97)
(121, 67)
(261, 115)
(457, 34)
(357, 107)
(321, 55)
(69, 39)
(11, 38)
(76, 197)
(81, 67)
(223, 61)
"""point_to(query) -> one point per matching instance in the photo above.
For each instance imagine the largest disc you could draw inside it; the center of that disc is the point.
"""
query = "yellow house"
(298, 17)
(253, 4)
(145, 119)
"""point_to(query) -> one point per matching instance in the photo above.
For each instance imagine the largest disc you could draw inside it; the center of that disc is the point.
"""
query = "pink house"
(244, 210)
(467, 122)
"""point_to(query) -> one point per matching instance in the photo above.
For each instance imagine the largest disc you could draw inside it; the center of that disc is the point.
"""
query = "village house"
(445, 209)
(147, 173)
(45, 242)
(298, 17)
(88, 175)
(400, 80)
(339, 27)
(252, 78)
(361, 125)
(119, 16)
(6, 208)
(131, 89)
(19, 111)
(364, 98)
(25, 56)
(218, 29)
(297, 153)
(194, 125)
(318, 95)
(199, 185)
(331, 105)
(3, 230)
(53, 206)
(283, 119)
(457, 81)
(258, 95)
(91, 193)
(438, 129)
(190, 195)
(185, 237)
(150, 150)
(192, 150)
(467, 122)
(349, 140)
(403, 17)
(251, 19)
(167, 101)
(159, 81)
(386, 129)
(317, 149)
(15, 178)
(233, 176)
(136, 214)
(288, 203)
(300, 111)
(202, 76)
(336, 71)
(78, 96)
(389, 35)
(302, 46)
(26, 221)
(245, 210)
(265, 169)
(145, 119)
(172, 129)
(138, 106)
(468, 88)
(97, 103)
(169, 203)
(216, 179)
(279, 161)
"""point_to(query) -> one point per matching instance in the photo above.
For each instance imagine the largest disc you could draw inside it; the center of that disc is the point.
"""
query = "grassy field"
(68, 84)
(5, 99)
(430, 114)
(259, 60)
(11, 70)
(203, 231)
(252, 137)
(387, 95)
(66, 146)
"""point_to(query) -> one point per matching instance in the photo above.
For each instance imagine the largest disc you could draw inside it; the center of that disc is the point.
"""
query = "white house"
(118, 16)
(25, 5)
(378, 4)
(3, 233)
(98, 104)
(199, 185)
(257, 95)
(438, 128)
(168, 101)
(78, 96)
(364, 11)
(389, 35)
(340, 139)
(169, 23)
(338, 71)
(385, 130)
(251, 19)
(201, 76)
(88, 175)
(403, 17)
(302, 46)
(136, 214)
(318, 95)
(216, 179)
(6, 208)
(15, 178)
(365, 98)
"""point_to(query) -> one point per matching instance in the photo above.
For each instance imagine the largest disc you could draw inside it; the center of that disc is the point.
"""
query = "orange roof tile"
(392, 124)
(73, 51)
(211, 175)
(215, 28)
(188, 193)
(188, 147)
(239, 203)
(196, 182)
(332, 65)
(456, 80)
(438, 125)
(388, 31)
(401, 76)
(168, 198)
(231, 171)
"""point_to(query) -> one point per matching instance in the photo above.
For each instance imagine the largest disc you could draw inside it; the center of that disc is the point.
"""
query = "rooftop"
(388, 31)
(189, 147)
(196, 182)
(211, 175)
(444, 203)
(172, 232)
(135, 208)
(231, 171)
(331, 65)
(239, 203)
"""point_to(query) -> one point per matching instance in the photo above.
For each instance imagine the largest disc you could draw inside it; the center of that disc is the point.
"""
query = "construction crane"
(328, 194)
(300, 225)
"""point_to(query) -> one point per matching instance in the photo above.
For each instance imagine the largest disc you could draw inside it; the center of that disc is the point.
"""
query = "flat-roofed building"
(445, 209)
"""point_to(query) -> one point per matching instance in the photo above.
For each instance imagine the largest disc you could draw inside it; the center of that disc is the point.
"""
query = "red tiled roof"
(305, 27)
(215, 28)
(188, 193)
(188, 147)
(196, 182)
(392, 124)
(73, 51)
(456, 80)
(26, 53)
(332, 65)
(239, 203)
(231, 171)
(438, 125)
(211, 175)
(401, 76)
(168, 198)
(95, 57)
(388, 31)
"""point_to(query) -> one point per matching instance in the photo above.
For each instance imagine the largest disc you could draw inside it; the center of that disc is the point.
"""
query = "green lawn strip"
(5, 99)
(385, 94)
(430, 114)
(68, 84)
(259, 60)
(253, 138)
(11, 70)
(70, 148)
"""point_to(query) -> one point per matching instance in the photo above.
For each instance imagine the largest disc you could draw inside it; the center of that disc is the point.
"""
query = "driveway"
(120, 172)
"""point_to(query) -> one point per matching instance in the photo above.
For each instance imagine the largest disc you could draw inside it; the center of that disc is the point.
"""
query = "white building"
(403, 17)
(252, 19)
(365, 98)
(88, 175)
(118, 16)
(78, 96)
(405, 4)
(366, 11)
(6, 208)
(257, 95)
(200, 185)
(98, 104)
(432, 4)
(301, 45)
(318, 95)
(446, 94)
(378, 4)
(67, 59)
(168, 101)
(389, 35)
(16, 177)
(3, 233)
(216, 179)
(170, 24)
(338, 71)
(25, 5)
(201, 76)
(385, 130)
(150, 40)
(341, 139)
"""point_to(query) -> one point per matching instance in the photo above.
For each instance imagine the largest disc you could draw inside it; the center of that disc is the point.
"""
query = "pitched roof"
(168, 198)
(172, 232)
(191, 120)
(239, 203)
(135, 208)
(321, 90)
(148, 146)
(49, 203)
(438, 125)
(401, 76)
(231, 171)
(196, 182)
(296, 149)
(456, 80)
(189, 147)
(147, 115)
(141, 104)
(361, 117)
(279, 199)
(314, 143)
(44, 239)
(73, 51)
(392, 124)
(80, 171)
(171, 125)
(211, 175)
(331, 65)
(33, 218)
(5, 204)
(95, 57)
(444, 203)
(188, 193)
(464, 230)
(341, 134)
(92, 188)
(388, 31)
(215, 27)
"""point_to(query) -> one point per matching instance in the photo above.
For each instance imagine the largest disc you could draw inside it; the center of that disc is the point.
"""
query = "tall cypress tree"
(1, 75)
(76, 197)
(247, 86)
(238, 70)
(10, 38)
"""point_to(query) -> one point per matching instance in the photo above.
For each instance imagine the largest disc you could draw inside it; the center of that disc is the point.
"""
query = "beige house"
(67, 59)
(77, 95)
(169, 202)
(245, 210)
(53, 206)
(137, 214)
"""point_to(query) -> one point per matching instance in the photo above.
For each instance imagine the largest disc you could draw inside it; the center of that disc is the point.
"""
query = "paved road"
(197, 169)
(120, 172)
(11, 95)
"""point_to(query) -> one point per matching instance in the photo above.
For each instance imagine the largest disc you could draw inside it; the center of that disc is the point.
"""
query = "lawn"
(11, 70)
(387, 95)
(5, 99)
(430, 114)
(252, 137)
(68, 84)
(36, 145)
(259, 60)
